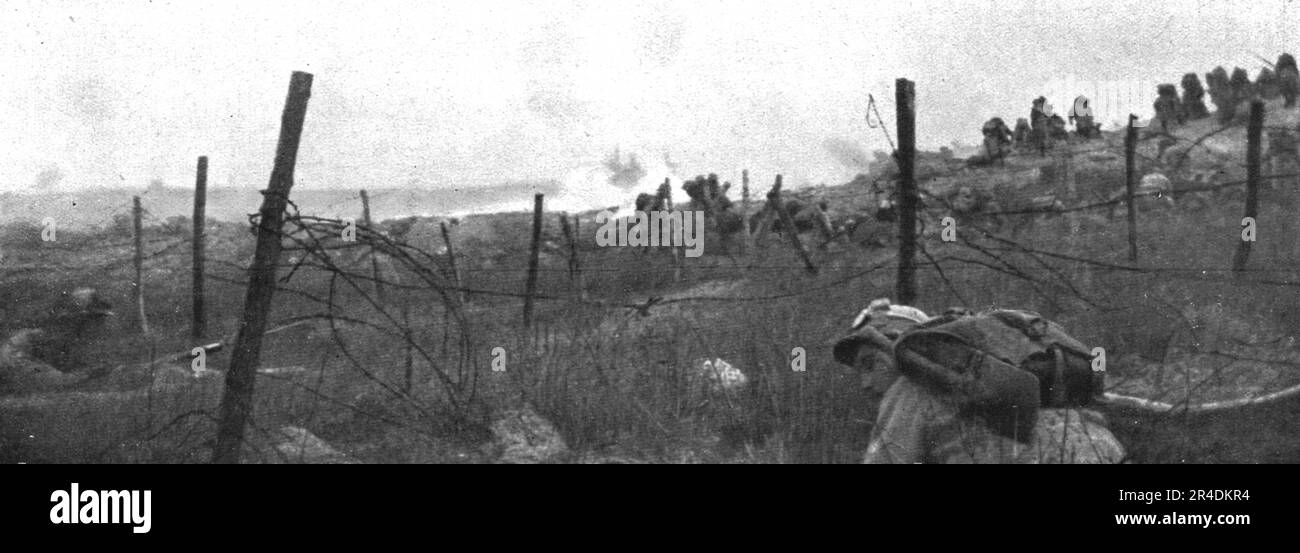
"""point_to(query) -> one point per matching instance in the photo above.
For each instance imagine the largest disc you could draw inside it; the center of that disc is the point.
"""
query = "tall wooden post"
(774, 203)
(575, 264)
(746, 239)
(534, 253)
(237, 401)
(764, 219)
(1073, 219)
(905, 100)
(577, 237)
(451, 261)
(1130, 185)
(374, 253)
(1254, 147)
(198, 324)
(138, 226)
(675, 255)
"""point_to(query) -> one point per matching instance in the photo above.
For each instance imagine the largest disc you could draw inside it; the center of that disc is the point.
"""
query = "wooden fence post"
(198, 324)
(138, 224)
(1073, 219)
(905, 101)
(451, 260)
(237, 400)
(577, 236)
(774, 203)
(534, 253)
(675, 254)
(746, 239)
(1130, 185)
(1254, 147)
(374, 253)
(575, 265)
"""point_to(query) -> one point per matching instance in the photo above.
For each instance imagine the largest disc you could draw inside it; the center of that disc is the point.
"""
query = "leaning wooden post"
(746, 240)
(534, 253)
(774, 202)
(374, 253)
(198, 324)
(237, 401)
(1254, 145)
(138, 225)
(575, 265)
(905, 100)
(451, 261)
(1130, 185)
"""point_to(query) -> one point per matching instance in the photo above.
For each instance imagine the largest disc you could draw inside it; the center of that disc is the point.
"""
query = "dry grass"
(620, 386)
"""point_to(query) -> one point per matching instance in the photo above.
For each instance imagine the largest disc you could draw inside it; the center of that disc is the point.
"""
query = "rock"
(1155, 182)
(299, 445)
(523, 437)
(1103, 156)
(721, 375)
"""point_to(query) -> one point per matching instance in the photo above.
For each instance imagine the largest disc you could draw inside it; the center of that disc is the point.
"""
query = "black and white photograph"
(648, 232)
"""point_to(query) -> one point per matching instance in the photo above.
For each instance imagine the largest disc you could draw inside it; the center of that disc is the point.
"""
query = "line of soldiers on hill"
(1227, 92)
(709, 195)
(1037, 132)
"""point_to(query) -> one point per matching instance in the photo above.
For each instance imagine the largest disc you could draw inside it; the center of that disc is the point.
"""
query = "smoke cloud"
(847, 152)
(48, 178)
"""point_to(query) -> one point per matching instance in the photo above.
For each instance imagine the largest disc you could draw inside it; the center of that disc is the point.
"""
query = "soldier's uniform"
(917, 424)
(1168, 107)
(997, 138)
(1039, 121)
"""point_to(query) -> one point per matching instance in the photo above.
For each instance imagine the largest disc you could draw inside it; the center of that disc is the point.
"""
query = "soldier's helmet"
(868, 347)
(890, 318)
(82, 303)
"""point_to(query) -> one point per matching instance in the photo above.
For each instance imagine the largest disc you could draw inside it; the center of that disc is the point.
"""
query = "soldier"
(1193, 98)
(1241, 85)
(706, 194)
(664, 196)
(1038, 123)
(917, 423)
(1056, 128)
(1288, 79)
(997, 141)
(1168, 109)
(1240, 90)
(53, 357)
(1221, 94)
(1022, 132)
(1266, 84)
(647, 202)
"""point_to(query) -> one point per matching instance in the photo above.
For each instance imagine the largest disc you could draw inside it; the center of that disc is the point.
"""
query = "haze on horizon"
(455, 95)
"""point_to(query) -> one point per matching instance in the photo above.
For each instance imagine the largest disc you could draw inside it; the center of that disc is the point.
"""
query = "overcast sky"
(469, 93)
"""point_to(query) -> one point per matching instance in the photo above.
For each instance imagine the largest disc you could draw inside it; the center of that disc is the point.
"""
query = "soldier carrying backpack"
(1003, 386)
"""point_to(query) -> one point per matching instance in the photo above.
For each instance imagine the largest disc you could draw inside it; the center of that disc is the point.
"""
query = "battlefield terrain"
(379, 356)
